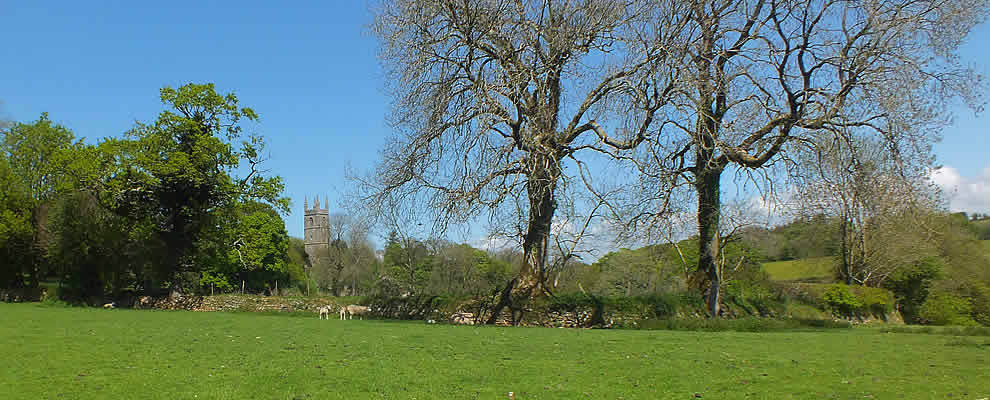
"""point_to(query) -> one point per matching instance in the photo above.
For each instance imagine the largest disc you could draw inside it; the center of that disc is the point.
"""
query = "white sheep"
(350, 311)
(462, 318)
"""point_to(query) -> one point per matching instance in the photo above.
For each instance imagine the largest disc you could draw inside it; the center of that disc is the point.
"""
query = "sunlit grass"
(821, 268)
(84, 353)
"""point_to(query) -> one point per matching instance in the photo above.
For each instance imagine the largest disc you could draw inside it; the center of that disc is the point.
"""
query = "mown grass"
(85, 353)
(821, 268)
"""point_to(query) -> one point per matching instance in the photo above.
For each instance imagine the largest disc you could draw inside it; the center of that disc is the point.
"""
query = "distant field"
(811, 268)
(52, 352)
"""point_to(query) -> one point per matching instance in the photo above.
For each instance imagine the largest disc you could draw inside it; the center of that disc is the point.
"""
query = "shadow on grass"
(742, 325)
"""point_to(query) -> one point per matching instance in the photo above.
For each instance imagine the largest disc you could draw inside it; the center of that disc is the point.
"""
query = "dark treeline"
(159, 209)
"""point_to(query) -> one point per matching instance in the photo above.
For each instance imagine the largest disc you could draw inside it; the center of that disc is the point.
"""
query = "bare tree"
(879, 205)
(493, 97)
(764, 78)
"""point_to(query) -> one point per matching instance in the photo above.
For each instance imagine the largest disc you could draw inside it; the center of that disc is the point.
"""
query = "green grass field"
(811, 268)
(82, 353)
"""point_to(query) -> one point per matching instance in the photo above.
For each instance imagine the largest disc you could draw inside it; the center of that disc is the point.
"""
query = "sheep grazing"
(110, 305)
(325, 312)
(462, 318)
(350, 311)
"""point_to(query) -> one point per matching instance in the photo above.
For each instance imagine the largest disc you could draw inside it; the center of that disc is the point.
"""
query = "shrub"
(947, 309)
(912, 285)
(979, 300)
(840, 300)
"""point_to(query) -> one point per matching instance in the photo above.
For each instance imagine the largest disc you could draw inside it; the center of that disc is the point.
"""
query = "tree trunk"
(532, 275)
(846, 268)
(708, 187)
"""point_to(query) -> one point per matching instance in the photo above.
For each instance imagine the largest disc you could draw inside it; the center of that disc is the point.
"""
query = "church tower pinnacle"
(316, 222)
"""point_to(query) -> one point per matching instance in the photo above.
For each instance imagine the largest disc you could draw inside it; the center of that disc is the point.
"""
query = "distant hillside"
(818, 269)
(983, 228)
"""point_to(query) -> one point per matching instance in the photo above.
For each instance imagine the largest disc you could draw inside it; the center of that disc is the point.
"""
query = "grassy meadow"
(85, 353)
(810, 268)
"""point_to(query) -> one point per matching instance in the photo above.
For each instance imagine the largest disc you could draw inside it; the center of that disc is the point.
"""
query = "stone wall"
(413, 308)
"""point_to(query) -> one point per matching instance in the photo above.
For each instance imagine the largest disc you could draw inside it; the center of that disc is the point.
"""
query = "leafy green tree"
(175, 173)
(249, 244)
(408, 262)
(33, 173)
(97, 253)
(15, 226)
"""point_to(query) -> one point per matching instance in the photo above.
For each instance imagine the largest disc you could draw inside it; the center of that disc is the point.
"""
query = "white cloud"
(493, 244)
(964, 193)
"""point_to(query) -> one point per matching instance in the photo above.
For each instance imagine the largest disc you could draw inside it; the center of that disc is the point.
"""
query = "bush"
(841, 301)
(947, 309)
(912, 285)
(979, 300)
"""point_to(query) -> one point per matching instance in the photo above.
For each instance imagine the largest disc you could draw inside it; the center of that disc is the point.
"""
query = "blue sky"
(309, 68)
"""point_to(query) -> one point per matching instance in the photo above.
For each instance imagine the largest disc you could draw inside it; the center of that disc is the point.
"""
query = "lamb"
(325, 312)
(350, 311)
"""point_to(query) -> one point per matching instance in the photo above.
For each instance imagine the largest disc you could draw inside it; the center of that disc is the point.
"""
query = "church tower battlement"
(317, 227)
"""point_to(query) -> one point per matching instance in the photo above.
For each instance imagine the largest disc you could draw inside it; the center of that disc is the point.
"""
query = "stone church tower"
(317, 228)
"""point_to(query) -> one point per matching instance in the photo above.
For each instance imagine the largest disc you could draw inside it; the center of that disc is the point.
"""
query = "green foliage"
(176, 173)
(408, 263)
(99, 254)
(219, 281)
(843, 300)
(840, 300)
(803, 238)
(912, 285)
(33, 162)
(978, 294)
(647, 270)
(657, 306)
(946, 309)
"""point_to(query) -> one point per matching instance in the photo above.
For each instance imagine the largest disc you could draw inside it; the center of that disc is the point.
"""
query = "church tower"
(317, 228)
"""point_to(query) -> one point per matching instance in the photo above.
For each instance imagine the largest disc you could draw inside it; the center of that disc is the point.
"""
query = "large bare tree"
(492, 98)
(763, 78)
